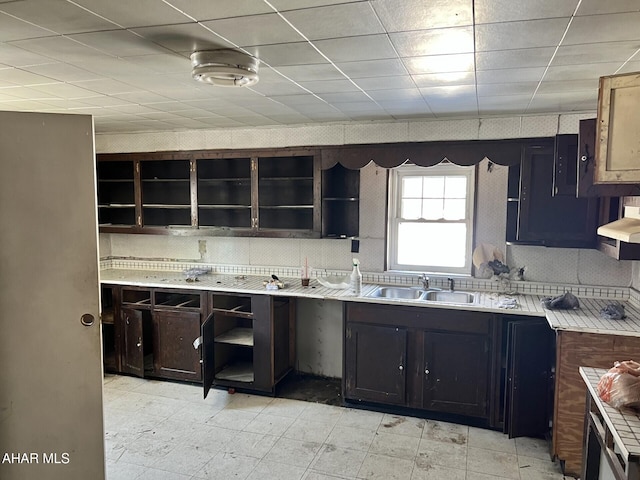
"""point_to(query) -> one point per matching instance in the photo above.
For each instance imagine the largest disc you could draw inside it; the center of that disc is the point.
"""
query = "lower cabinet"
(248, 342)
(494, 369)
(173, 353)
(431, 359)
(375, 362)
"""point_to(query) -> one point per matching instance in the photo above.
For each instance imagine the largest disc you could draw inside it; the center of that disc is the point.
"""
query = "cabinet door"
(208, 354)
(529, 379)
(618, 130)
(173, 352)
(133, 354)
(565, 178)
(456, 373)
(586, 167)
(560, 221)
(375, 363)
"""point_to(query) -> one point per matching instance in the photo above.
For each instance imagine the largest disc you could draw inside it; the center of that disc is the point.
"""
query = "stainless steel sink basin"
(406, 293)
(450, 297)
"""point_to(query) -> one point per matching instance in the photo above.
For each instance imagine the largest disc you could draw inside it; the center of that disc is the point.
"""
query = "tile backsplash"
(542, 265)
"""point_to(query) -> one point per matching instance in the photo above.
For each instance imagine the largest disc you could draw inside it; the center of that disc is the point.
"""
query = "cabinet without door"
(248, 342)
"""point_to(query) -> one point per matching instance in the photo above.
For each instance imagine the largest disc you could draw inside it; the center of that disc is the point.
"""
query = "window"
(431, 218)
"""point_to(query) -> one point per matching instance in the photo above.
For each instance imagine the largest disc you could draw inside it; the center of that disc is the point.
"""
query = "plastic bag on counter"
(620, 386)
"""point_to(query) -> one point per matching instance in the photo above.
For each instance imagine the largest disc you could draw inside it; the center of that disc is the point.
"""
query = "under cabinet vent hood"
(627, 229)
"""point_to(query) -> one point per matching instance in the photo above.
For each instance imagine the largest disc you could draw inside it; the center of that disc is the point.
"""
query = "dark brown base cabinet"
(450, 362)
(248, 342)
(154, 331)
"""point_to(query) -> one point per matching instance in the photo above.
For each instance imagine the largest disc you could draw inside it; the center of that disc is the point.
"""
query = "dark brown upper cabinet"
(340, 202)
(252, 193)
(536, 214)
(586, 167)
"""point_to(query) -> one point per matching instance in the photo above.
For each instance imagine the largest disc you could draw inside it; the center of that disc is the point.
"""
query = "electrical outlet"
(355, 246)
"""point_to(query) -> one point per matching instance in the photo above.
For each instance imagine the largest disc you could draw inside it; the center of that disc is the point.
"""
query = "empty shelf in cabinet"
(107, 317)
(237, 372)
(239, 311)
(144, 301)
(237, 336)
(194, 303)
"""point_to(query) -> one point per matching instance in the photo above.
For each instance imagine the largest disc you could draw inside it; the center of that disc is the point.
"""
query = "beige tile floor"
(165, 431)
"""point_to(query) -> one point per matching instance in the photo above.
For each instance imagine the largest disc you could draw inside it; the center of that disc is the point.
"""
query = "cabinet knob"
(139, 344)
(400, 368)
(426, 372)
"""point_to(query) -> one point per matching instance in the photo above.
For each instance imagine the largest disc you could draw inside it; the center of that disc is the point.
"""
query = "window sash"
(396, 220)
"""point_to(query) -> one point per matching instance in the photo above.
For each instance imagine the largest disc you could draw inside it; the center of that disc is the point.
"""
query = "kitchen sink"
(450, 297)
(406, 293)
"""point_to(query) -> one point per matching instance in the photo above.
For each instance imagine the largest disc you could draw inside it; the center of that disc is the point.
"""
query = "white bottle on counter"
(356, 278)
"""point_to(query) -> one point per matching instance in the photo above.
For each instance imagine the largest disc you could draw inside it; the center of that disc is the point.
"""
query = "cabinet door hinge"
(348, 333)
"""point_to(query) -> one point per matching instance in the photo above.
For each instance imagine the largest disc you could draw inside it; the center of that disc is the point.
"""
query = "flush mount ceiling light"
(226, 68)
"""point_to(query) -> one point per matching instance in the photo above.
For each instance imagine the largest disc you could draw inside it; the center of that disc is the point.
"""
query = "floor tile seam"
(492, 450)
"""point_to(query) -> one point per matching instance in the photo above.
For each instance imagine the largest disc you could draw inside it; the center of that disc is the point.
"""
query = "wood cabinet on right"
(618, 135)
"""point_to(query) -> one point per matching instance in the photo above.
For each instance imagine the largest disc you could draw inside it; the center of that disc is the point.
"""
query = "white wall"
(542, 264)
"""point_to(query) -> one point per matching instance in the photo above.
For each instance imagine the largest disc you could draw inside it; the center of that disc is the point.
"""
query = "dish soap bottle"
(356, 278)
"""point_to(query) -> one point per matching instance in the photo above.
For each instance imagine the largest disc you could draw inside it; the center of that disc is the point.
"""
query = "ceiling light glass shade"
(226, 68)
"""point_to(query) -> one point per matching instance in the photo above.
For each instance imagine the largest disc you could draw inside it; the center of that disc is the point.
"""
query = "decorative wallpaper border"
(462, 283)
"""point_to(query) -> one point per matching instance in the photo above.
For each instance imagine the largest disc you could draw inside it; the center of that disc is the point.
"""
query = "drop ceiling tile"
(503, 104)
(527, 34)
(344, 97)
(569, 101)
(143, 98)
(297, 100)
(372, 68)
(4, 96)
(298, 53)
(619, 27)
(355, 49)
(284, 5)
(17, 76)
(347, 20)
(630, 67)
(595, 53)
(62, 49)
(444, 79)
(288, 119)
(135, 14)
(28, 106)
(517, 58)
(185, 38)
(404, 107)
(597, 7)
(120, 43)
(168, 106)
(364, 107)
(102, 100)
(18, 57)
(265, 29)
(132, 108)
(62, 72)
(170, 63)
(385, 83)
(463, 62)
(443, 93)
(24, 93)
(304, 73)
(59, 16)
(421, 15)
(510, 89)
(494, 11)
(439, 41)
(106, 86)
(581, 72)
(401, 95)
(569, 86)
(330, 86)
(15, 29)
(63, 90)
(277, 88)
(533, 74)
(207, 10)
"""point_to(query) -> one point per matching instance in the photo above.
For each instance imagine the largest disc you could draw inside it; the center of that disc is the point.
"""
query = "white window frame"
(394, 219)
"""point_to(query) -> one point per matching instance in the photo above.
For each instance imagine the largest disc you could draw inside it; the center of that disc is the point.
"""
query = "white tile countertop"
(585, 319)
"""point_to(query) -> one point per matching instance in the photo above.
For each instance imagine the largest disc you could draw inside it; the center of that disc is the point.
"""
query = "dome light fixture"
(225, 68)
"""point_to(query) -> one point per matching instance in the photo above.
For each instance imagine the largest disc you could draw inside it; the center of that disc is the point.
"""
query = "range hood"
(627, 229)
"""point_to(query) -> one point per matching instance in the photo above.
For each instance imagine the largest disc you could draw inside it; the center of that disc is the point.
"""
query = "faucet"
(451, 283)
(425, 281)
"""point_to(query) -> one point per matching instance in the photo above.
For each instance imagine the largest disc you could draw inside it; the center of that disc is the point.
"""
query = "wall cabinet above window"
(260, 193)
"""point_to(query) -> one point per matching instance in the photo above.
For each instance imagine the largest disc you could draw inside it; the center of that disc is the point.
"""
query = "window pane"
(411, 209)
(433, 187)
(432, 244)
(412, 187)
(432, 209)
(456, 187)
(454, 209)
